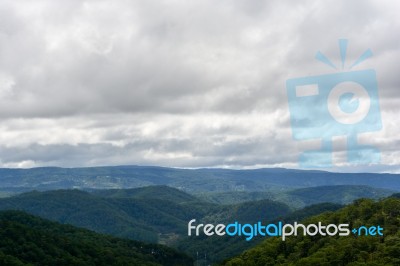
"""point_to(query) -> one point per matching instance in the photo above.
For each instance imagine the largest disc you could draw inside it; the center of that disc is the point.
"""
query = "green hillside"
(217, 248)
(29, 240)
(248, 212)
(337, 194)
(309, 211)
(136, 215)
(299, 198)
(336, 250)
(234, 197)
(159, 214)
(149, 192)
(140, 219)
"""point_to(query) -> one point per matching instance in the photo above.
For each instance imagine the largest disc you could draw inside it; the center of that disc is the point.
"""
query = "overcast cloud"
(179, 83)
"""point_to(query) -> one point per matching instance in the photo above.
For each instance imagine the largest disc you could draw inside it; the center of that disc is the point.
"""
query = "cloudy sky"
(180, 83)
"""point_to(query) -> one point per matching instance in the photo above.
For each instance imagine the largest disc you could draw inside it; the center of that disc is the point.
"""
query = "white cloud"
(199, 83)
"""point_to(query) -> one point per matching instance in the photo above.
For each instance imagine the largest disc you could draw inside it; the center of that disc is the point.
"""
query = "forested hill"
(157, 214)
(160, 192)
(336, 250)
(134, 214)
(30, 240)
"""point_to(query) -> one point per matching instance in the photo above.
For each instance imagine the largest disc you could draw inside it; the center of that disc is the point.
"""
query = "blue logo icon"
(338, 104)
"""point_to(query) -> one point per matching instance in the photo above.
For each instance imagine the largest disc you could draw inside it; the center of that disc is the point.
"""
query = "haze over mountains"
(190, 180)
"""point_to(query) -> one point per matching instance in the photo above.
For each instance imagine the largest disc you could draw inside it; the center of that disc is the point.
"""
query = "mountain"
(30, 240)
(140, 219)
(215, 249)
(160, 214)
(189, 180)
(155, 214)
(233, 197)
(342, 194)
(299, 198)
(248, 212)
(309, 211)
(336, 250)
(160, 192)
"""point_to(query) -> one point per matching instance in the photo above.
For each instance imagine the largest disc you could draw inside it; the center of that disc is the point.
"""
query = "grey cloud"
(199, 83)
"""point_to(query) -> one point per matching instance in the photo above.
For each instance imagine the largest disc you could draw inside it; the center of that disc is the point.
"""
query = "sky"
(181, 83)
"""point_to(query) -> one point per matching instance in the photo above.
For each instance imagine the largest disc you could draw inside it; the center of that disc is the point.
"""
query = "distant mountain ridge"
(342, 194)
(300, 197)
(190, 180)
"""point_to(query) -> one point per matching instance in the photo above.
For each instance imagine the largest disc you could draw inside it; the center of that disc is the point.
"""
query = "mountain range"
(160, 214)
(154, 204)
(189, 180)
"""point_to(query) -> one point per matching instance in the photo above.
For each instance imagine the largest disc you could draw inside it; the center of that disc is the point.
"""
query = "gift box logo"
(338, 104)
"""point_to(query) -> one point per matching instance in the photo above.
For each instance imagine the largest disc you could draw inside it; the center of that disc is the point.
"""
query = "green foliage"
(396, 195)
(134, 214)
(336, 250)
(309, 211)
(140, 218)
(29, 240)
(81, 209)
(220, 248)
